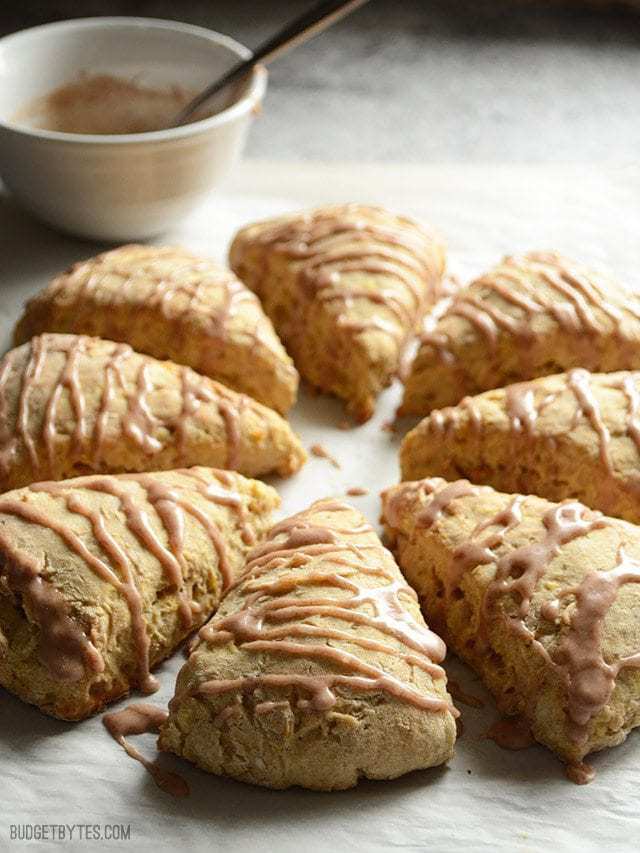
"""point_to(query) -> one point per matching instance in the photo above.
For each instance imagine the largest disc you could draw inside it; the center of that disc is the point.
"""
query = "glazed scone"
(102, 577)
(345, 286)
(73, 405)
(575, 434)
(541, 599)
(318, 669)
(170, 304)
(531, 316)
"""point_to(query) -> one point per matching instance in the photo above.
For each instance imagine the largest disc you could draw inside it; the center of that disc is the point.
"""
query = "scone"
(541, 599)
(346, 287)
(102, 577)
(73, 405)
(318, 668)
(530, 316)
(572, 435)
(170, 304)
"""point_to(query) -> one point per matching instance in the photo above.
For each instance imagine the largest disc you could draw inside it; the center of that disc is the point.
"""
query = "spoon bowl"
(125, 186)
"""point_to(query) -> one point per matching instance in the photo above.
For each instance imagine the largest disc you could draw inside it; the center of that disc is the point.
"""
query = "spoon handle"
(298, 31)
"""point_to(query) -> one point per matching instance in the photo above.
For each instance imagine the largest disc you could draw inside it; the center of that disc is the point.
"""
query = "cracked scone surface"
(532, 315)
(318, 669)
(541, 599)
(570, 435)
(102, 577)
(170, 304)
(345, 286)
(71, 405)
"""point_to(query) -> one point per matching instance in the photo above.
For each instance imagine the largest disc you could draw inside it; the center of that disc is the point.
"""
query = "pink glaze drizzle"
(526, 401)
(274, 616)
(333, 242)
(516, 282)
(61, 636)
(578, 658)
(137, 719)
(580, 773)
(193, 293)
(93, 431)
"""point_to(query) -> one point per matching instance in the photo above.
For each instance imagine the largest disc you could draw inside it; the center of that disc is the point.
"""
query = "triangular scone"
(170, 304)
(575, 434)
(542, 599)
(346, 287)
(71, 405)
(531, 316)
(102, 577)
(318, 669)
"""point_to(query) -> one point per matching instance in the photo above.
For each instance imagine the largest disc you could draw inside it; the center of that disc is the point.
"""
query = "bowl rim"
(243, 105)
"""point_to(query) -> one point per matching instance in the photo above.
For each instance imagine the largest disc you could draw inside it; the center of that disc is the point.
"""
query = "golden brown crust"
(541, 599)
(345, 286)
(530, 316)
(570, 435)
(318, 668)
(102, 577)
(71, 405)
(170, 304)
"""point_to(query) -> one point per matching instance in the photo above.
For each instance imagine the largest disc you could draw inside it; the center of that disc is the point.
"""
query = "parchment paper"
(487, 799)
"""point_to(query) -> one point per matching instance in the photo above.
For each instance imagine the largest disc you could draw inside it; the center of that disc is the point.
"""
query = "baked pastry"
(318, 669)
(170, 304)
(531, 316)
(71, 405)
(541, 599)
(345, 286)
(576, 434)
(102, 577)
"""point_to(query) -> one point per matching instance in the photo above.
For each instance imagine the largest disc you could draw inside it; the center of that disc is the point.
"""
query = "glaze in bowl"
(126, 186)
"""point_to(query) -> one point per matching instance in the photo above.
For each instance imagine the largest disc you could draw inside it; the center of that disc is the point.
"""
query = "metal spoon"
(302, 28)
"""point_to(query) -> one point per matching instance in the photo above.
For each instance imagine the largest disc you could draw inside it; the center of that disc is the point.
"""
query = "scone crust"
(170, 304)
(541, 599)
(71, 404)
(571, 435)
(532, 315)
(322, 610)
(345, 286)
(95, 569)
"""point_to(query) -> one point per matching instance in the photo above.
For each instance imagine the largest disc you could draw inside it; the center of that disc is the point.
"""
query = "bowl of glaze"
(119, 186)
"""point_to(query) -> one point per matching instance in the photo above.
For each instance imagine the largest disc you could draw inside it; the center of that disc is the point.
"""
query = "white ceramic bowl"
(121, 187)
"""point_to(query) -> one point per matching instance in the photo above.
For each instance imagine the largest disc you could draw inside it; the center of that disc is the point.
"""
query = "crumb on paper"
(461, 695)
(321, 452)
(357, 491)
(389, 426)
(511, 733)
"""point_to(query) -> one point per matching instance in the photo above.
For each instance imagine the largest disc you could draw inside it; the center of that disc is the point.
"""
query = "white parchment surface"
(486, 799)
